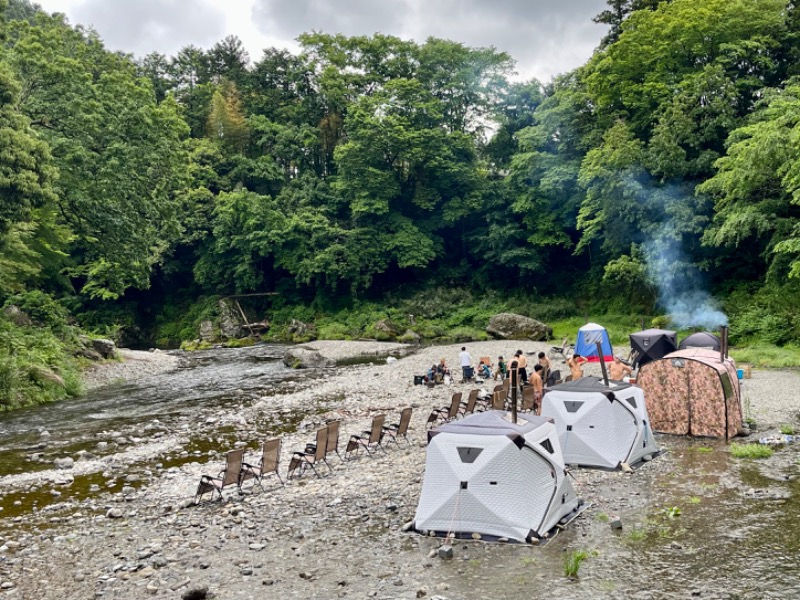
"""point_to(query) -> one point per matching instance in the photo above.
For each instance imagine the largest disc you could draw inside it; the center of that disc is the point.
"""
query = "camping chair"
(400, 428)
(468, 374)
(498, 401)
(230, 475)
(528, 399)
(468, 407)
(270, 461)
(563, 351)
(332, 443)
(449, 413)
(432, 418)
(368, 438)
(301, 460)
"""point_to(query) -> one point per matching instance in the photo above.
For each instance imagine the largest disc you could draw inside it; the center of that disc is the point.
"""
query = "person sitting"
(431, 374)
(484, 371)
(442, 369)
(618, 369)
(502, 369)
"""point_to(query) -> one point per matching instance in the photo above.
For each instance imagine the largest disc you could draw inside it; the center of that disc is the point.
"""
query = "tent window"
(678, 363)
(727, 388)
(468, 455)
(547, 445)
(631, 401)
(572, 405)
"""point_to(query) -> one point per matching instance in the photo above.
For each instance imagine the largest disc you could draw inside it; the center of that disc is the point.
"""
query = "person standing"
(466, 362)
(545, 362)
(538, 386)
(574, 363)
(522, 367)
(618, 369)
(502, 369)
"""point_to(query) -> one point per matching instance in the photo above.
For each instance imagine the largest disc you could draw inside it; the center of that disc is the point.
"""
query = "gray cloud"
(544, 37)
(288, 19)
(144, 26)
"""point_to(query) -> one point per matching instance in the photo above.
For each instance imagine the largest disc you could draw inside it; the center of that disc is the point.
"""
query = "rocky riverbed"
(696, 522)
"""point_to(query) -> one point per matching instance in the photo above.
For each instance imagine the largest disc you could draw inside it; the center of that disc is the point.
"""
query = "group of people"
(519, 363)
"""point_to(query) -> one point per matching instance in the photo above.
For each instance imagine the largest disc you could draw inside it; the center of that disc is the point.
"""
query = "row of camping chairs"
(500, 399)
(237, 471)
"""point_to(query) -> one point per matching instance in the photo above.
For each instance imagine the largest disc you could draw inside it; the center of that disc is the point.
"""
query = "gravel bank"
(132, 365)
(340, 536)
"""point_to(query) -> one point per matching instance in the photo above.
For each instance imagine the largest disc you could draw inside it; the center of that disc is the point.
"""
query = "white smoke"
(680, 284)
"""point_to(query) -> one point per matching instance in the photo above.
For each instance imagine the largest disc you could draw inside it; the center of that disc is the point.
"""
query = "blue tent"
(586, 346)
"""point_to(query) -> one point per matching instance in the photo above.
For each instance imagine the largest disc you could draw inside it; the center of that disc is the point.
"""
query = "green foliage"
(763, 355)
(751, 451)
(35, 366)
(787, 429)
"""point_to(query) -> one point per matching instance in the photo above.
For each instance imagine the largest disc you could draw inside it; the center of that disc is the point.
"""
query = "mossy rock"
(240, 343)
(192, 345)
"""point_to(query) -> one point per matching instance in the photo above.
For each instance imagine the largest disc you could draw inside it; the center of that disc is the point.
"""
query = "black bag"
(419, 379)
(553, 377)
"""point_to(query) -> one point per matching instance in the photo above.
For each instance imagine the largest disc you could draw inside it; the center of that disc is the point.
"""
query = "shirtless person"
(618, 369)
(545, 362)
(574, 363)
(522, 365)
(538, 386)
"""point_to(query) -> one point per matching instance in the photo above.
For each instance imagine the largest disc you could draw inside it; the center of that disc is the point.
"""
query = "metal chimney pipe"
(514, 384)
(723, 343)
(602, 362)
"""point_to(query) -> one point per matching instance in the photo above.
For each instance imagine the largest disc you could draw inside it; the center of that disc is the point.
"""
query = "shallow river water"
(697, 523)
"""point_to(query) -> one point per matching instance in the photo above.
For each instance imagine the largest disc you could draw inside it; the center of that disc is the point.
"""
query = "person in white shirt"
(466, 361)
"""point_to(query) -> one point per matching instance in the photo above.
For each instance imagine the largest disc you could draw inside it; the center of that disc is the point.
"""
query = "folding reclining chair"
(230, 475)
(332, 443)
(368, 439)
(446, 413)
(397, 429)
(528, 399)
(468, 407)
(498, 401)
(301, 460)
(268, 465)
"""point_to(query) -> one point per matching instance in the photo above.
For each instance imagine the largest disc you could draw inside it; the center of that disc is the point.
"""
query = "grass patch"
(787, 429)
(763, 355)
(602, 517)
(572, 562)
(751, 451)
(637, 535)
(702, 449)
(694, 500)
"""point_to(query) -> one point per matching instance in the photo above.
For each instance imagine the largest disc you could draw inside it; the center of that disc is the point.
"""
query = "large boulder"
(206, 331)
(302, 332)
(509, 326)
(16, 316)
(230, 321)
(106, 348)
(306, 358)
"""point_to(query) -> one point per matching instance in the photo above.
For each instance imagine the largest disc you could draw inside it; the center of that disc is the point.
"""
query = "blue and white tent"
(586, 345)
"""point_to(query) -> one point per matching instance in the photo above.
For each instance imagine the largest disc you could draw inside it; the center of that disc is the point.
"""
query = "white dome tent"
(504, 481)
(600, 425)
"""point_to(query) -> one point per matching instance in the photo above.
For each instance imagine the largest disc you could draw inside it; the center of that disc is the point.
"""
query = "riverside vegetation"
(383, 188)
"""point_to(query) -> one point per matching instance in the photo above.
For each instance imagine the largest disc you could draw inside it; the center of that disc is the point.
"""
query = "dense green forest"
(369, 178)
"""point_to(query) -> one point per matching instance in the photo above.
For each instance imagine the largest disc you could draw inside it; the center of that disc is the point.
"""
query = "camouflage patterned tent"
(692, 392)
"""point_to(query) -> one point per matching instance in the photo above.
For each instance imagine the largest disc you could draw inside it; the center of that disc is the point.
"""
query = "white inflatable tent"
(486, 475)
(600, 425)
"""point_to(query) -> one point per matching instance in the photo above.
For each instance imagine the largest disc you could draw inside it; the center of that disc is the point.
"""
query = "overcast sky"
(545, 37)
